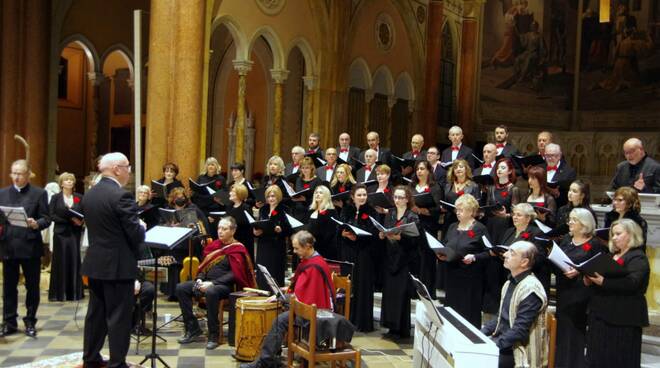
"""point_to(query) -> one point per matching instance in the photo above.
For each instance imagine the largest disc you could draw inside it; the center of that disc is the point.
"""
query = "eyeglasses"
(128, 167)
(619, 199)
(399, 197)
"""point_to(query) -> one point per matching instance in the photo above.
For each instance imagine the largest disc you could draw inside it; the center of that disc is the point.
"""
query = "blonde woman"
(271, 247)
(342, 182)
(320, 224)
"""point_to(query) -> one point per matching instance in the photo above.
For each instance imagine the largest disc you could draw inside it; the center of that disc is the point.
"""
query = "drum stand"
(153, 356)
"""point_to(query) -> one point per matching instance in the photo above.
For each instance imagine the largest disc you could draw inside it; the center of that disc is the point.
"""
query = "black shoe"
(30, 331)
(6, 330)
(212, 343)
(189, 337)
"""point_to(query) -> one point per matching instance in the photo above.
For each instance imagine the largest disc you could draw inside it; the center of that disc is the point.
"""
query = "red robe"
(239, 261)
(309, 285)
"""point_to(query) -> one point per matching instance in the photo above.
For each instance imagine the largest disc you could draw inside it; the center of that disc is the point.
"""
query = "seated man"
(519, 329)
(144, 297)
(226, 264)
(311, 284)
(639, 170)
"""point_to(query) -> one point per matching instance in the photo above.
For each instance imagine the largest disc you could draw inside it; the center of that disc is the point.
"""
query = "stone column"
(24, 61)
(468, 83)
(310, 84)
(95, 80)
(391, 101)
(242, 67)
(176, 62)
(433, 65)
(279, 76)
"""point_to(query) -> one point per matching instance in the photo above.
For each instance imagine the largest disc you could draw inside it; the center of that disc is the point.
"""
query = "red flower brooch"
(386, 190)
(460, 193)
(525, 235)
(470, 233)
(427, 189)
(273, 213)
(323, 212)
(76, 199)
(342, 189)
(398, 223)
(504, 194)
(620, 261)
(586, 247)
(218, 183)
(364, 216)
(306, 186)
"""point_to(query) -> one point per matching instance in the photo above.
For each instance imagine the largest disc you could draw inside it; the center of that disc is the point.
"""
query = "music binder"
(293, 221)
(409, 229)
(559, 258)
(341, 196)
(267, 225)
(159, 189)
(223, 196)
(424, 199)
(275, 289)
(353, 229)
(499, 249)
(484, 179)
(16, 216)
(76, 214)
(379, 199)
(200, 189)
(603, 263)
(531, 160)
(439, 248)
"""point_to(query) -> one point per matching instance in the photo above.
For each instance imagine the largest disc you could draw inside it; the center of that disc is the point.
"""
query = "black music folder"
(379, 199)
(603, 263)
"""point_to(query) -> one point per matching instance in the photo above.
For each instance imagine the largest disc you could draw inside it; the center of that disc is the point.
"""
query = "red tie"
(367, 168)
(415, 153)
(500, 145)
(487, 166)
(455, 148)
(328, 167)
(551, 168)
(343, 150)
(296, 165)
(310, 151)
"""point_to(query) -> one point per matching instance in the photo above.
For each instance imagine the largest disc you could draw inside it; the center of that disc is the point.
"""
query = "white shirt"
(344, 155)
(454, 154)
(551, 174)
(328, 173)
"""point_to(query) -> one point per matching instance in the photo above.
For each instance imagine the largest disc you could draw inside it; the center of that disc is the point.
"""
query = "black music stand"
(161, 238)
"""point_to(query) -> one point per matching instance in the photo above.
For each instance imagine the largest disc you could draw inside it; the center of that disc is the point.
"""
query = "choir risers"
(454, 344)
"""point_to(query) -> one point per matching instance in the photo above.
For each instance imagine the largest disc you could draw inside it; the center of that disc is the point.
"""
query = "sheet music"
(545, 228)
(490, 245)
(559, 258)
(356, 230)
(293, 221)
(166, 235)
(447, 204)
(211, 191)
(249, 217)
(433, 242)
(288, 188)
(272, 283)
(16, 216)
(409, 229)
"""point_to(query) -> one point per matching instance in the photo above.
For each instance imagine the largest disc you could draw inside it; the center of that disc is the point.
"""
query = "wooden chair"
(551, 327)
(308, 349)
(343, 282)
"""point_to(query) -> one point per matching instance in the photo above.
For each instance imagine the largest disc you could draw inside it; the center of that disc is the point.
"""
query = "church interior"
(244, 80)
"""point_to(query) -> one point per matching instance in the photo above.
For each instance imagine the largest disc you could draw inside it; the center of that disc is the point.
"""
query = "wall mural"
(530, 48)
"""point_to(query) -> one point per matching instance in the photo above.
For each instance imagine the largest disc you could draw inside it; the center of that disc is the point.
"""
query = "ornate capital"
(131, 83)
(471, 8)
(310, 82)
(391, 101)
(96, 78)
(279, 76)
(368, 95)
(242, 66)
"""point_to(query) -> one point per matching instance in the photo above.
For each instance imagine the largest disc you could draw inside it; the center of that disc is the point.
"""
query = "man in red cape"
(226, 264)
(311, 284)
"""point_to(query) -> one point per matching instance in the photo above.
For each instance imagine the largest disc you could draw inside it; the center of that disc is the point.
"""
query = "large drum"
(254, 318)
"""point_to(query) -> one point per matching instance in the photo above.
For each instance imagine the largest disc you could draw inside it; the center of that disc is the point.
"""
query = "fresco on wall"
(527, 56)
(619, 68)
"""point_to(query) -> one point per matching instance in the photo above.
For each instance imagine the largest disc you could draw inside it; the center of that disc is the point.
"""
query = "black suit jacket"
(321, 173)
(409, 156)
(564, 176)
(359, 175)
(114, 232)
(19, 242)
(626, 175)
(384, 156)
(509, 150)
(353, 154)
(288, 169)
(464, 153)
(440, 174)
(478, 170)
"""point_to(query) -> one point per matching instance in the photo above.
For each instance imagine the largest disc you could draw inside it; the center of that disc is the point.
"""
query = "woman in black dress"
(572, 295)
(319, 223)
(146, 210)
(401, 252)
(306, 180)
(65, 278)
(238, 194)
(342, 182)
(459, 182)
(427, 208)
(205, 202)
(579, 196)
(170, 171)
(625, 204)
(617, 309)
(359, 251)
(539, 196)
(271, 247)
(501, 194)
(274, 176)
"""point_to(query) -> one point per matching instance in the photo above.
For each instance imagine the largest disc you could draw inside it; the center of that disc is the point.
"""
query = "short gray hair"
(304, 238)
(110, 160)
(527, 250)
(229, 221)
(526, 209)
(22, 163)
(585, 218)
(297, 149)
(455, 129)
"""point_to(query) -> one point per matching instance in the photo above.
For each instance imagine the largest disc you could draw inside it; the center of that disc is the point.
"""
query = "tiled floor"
(60, 329)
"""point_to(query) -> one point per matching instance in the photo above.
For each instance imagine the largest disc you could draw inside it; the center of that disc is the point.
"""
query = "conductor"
(115, 234)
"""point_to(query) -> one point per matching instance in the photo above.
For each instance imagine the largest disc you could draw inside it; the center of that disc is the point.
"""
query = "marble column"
(433, 65)
(242, 67)
(468, 82)
(176, 63)
(279, 76)
(310, 87)
(24, 61)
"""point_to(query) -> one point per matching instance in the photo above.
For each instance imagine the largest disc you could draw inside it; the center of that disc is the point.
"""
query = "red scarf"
(239, 261)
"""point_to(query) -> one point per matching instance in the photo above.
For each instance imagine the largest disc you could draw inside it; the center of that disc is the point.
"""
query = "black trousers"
(109, 313)
(10, 271)
(272, 345)
(144, 301)
(213, 295)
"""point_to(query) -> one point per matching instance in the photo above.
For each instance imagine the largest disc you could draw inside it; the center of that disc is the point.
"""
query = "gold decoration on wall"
(384, 32)
(271, 7)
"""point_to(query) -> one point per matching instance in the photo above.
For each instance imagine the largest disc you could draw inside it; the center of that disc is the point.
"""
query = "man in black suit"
(488, 167)
(559, 174)
(313, 143)
(368, 171)
(416, 153)
(297, 154)
(326, 171)
(345, 151)
(457, 150)
(638, 170)
(21, 247)
(504, 148)
(439, 172)
(383, 155)
(115, 235)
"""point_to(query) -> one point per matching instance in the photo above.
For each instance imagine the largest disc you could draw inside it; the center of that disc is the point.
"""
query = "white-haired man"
(457, 150)
(115, 234)
(638, 170)
(559, 174)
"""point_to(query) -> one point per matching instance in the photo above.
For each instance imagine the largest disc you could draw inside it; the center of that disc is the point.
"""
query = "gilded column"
(242, 67)
(433, 65)
(176, 64)
(279, 76)
(310, 84)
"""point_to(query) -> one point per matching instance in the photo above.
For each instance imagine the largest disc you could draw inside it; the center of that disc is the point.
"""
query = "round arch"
(383, 82)
(240, 40)
(359, 75)
(404, 87)
(274, 43)
(87, 46)
(308, 54)
(124, 51)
